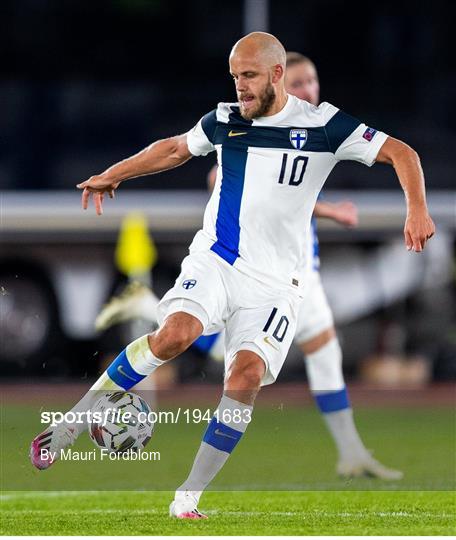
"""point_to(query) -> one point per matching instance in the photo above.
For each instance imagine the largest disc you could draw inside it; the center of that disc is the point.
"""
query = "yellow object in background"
(136, 253)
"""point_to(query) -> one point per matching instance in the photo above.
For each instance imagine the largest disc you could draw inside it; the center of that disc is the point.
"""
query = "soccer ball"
(120, 430)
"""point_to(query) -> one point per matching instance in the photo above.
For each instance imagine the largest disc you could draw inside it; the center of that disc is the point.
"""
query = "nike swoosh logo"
(266, 340)
(236, 133)
(218, 432)
(122, 372)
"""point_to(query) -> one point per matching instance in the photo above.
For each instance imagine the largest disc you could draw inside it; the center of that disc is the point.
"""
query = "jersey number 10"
(297, 170)
(281, 327)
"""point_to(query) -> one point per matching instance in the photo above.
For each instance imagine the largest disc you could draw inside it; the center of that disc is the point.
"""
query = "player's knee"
(317, 342)
(245, 374)
(167, 345)
(176, 334)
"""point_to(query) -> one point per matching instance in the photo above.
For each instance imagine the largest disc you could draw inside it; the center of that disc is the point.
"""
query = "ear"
(277, 73)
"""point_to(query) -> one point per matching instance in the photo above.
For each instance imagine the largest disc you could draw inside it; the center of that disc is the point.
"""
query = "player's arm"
(419, 226)
(159, 156)
(349, 139)
(343, 212)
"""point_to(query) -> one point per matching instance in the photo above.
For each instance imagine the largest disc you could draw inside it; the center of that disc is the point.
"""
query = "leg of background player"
(136, 301)
(324, 369)
(226, 428)
(141, 358)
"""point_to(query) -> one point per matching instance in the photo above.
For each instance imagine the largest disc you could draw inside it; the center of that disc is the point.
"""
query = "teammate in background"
(315, 332)
(244, 272)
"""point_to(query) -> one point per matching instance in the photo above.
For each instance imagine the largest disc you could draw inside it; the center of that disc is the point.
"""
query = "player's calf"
(244, 376)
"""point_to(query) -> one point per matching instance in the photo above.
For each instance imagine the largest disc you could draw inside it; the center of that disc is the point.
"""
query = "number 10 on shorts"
(281, 326)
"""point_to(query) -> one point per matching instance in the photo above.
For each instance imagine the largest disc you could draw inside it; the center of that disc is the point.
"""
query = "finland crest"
(298, 138)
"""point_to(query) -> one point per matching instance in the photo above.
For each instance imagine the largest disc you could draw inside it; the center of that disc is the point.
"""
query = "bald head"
(262, 47)
(257, 65)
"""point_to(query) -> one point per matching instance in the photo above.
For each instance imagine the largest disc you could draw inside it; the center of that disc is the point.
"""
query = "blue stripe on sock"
(121, 372)
(221, 436)
(333, 401)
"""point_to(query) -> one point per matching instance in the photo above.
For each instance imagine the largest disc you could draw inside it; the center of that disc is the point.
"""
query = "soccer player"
(315, 332)
(244, 272)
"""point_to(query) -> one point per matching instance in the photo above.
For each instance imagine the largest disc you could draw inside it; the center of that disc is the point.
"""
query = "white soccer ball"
(125, 423)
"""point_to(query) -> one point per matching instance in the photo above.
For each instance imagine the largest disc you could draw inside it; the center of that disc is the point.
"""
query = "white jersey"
(271, 170)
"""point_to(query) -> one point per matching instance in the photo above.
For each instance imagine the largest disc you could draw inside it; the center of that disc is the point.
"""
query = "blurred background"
(84, 84)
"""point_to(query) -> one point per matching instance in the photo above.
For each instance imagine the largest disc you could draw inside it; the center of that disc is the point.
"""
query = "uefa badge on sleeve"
(298, 138)
(369, 134)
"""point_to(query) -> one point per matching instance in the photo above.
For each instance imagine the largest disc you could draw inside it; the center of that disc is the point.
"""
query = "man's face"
(254, 88)
(301, 80)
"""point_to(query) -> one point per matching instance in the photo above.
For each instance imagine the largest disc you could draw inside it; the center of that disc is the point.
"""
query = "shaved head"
(257, 65)
(264, 48)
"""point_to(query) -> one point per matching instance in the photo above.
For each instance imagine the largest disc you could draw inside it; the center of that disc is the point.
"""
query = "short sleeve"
(200, 138)
(350, 139)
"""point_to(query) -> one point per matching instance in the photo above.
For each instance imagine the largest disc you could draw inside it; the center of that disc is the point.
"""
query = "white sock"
(132, 365)
(343, 430)
(326, 381)
(324, 368)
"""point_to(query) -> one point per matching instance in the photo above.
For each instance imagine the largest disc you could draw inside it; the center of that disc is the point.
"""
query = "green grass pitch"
(287, 456)
(232, 513)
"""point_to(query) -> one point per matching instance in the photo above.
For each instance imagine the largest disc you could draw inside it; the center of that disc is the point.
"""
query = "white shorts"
(255, 317)
(315, 315)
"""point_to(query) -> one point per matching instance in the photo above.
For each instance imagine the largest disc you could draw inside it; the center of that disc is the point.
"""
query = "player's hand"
(419, 227)
(346, 213)
(96, 187)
